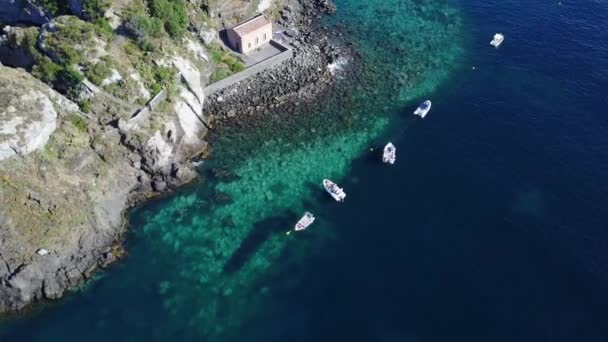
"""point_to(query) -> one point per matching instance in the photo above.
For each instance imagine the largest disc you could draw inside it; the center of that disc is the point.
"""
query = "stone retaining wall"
(286, 54)
(143, 113)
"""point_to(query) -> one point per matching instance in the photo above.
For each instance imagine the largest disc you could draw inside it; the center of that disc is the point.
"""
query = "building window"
(249, 45)
(257, 40)
(264, 36)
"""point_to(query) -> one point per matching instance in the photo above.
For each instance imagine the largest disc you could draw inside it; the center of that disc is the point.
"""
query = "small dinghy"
(497, 40)
(423, 109)
(305, 221)
(390, 154)
(336, 192)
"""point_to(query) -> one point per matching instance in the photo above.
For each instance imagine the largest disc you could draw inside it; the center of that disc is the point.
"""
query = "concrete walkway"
(261, 54)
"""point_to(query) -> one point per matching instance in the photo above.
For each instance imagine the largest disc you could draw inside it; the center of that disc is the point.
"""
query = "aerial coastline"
(303, 170)
(103, 158)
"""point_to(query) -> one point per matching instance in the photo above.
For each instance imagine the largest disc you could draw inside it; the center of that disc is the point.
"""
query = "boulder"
(27, 114)
(208, 35)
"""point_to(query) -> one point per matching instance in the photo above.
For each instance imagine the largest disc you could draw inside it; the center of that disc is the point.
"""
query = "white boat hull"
(336, 192)
(423, 111)
(497, 40)
(305, 221)
(389, 154)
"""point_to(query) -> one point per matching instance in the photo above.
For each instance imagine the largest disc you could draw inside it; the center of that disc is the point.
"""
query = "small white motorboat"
(423, 109)
(389, 155)
(334, 190)
(305, 221)
(497, 40)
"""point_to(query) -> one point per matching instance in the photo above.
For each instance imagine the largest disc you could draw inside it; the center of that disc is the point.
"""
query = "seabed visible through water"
(205, 264)
(224, 253)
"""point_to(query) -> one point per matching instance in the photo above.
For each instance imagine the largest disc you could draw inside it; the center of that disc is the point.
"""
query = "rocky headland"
(102, 106)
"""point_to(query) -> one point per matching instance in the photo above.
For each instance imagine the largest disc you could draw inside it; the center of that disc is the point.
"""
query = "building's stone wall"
(256, 39)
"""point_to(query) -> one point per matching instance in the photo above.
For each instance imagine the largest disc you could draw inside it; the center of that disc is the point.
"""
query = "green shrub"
(233, 63)
(69, 76)
(116, 89)
(238, 66)
(86, 107)
(220, 73)
(95, 9)
(75, 30)
(145, 30)
(216, 54)
(98, 72)
(46, 70)
(226, 63)
(64, 79)
(78, 121)
(63, 43)
(25, 39)
(164, 76)
(228, 59)
(143, 26)
(172, 13)
(156, 88)
(55, 7)
(104, 28)
(131, 49)
(146, 44)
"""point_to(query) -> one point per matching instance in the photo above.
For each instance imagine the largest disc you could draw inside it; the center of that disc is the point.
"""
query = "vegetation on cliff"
(66, 194)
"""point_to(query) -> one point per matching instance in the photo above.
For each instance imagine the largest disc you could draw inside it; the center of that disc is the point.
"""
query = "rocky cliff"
(109, 110)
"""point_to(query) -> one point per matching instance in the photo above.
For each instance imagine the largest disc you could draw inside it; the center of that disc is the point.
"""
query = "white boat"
(390, 154)
(423, 109)
(497, 40)
(334, 190)
(305, 221)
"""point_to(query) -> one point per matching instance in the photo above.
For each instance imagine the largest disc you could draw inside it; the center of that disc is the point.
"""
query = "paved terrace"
(266, 57)
(262, 54)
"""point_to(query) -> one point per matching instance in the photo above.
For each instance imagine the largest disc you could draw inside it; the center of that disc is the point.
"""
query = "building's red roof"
(251, 25)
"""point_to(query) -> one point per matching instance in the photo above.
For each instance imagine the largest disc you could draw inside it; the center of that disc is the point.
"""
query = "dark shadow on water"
(260, 233)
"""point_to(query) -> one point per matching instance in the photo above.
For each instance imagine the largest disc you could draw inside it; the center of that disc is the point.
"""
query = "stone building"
(250, 35)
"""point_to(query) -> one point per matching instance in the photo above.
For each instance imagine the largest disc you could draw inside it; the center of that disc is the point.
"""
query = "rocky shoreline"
(293, 84)
(135, 168)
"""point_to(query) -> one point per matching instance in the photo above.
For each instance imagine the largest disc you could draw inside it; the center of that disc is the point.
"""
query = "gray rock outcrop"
(26, 121)
(28, 112)
(57, 194)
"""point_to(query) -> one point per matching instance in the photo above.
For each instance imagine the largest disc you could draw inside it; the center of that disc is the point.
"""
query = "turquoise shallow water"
(490, 227)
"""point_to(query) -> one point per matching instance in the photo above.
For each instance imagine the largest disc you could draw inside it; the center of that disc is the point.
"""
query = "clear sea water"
(491, 226)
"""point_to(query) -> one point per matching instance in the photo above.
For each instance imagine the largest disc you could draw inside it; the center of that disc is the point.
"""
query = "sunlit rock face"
(27, 115)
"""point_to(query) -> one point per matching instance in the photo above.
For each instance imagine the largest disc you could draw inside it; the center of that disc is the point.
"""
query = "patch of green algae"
(218, 257)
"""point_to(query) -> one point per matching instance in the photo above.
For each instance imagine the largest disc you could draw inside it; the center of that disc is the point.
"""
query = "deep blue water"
(492, 225)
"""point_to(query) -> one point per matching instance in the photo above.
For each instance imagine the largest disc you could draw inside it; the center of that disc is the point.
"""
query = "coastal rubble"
(300, 79)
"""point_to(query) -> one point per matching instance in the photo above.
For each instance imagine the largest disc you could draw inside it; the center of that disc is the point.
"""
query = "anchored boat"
(390, 154)
(423, 109)
(334, 190)
(305, 221)
(497, 40)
